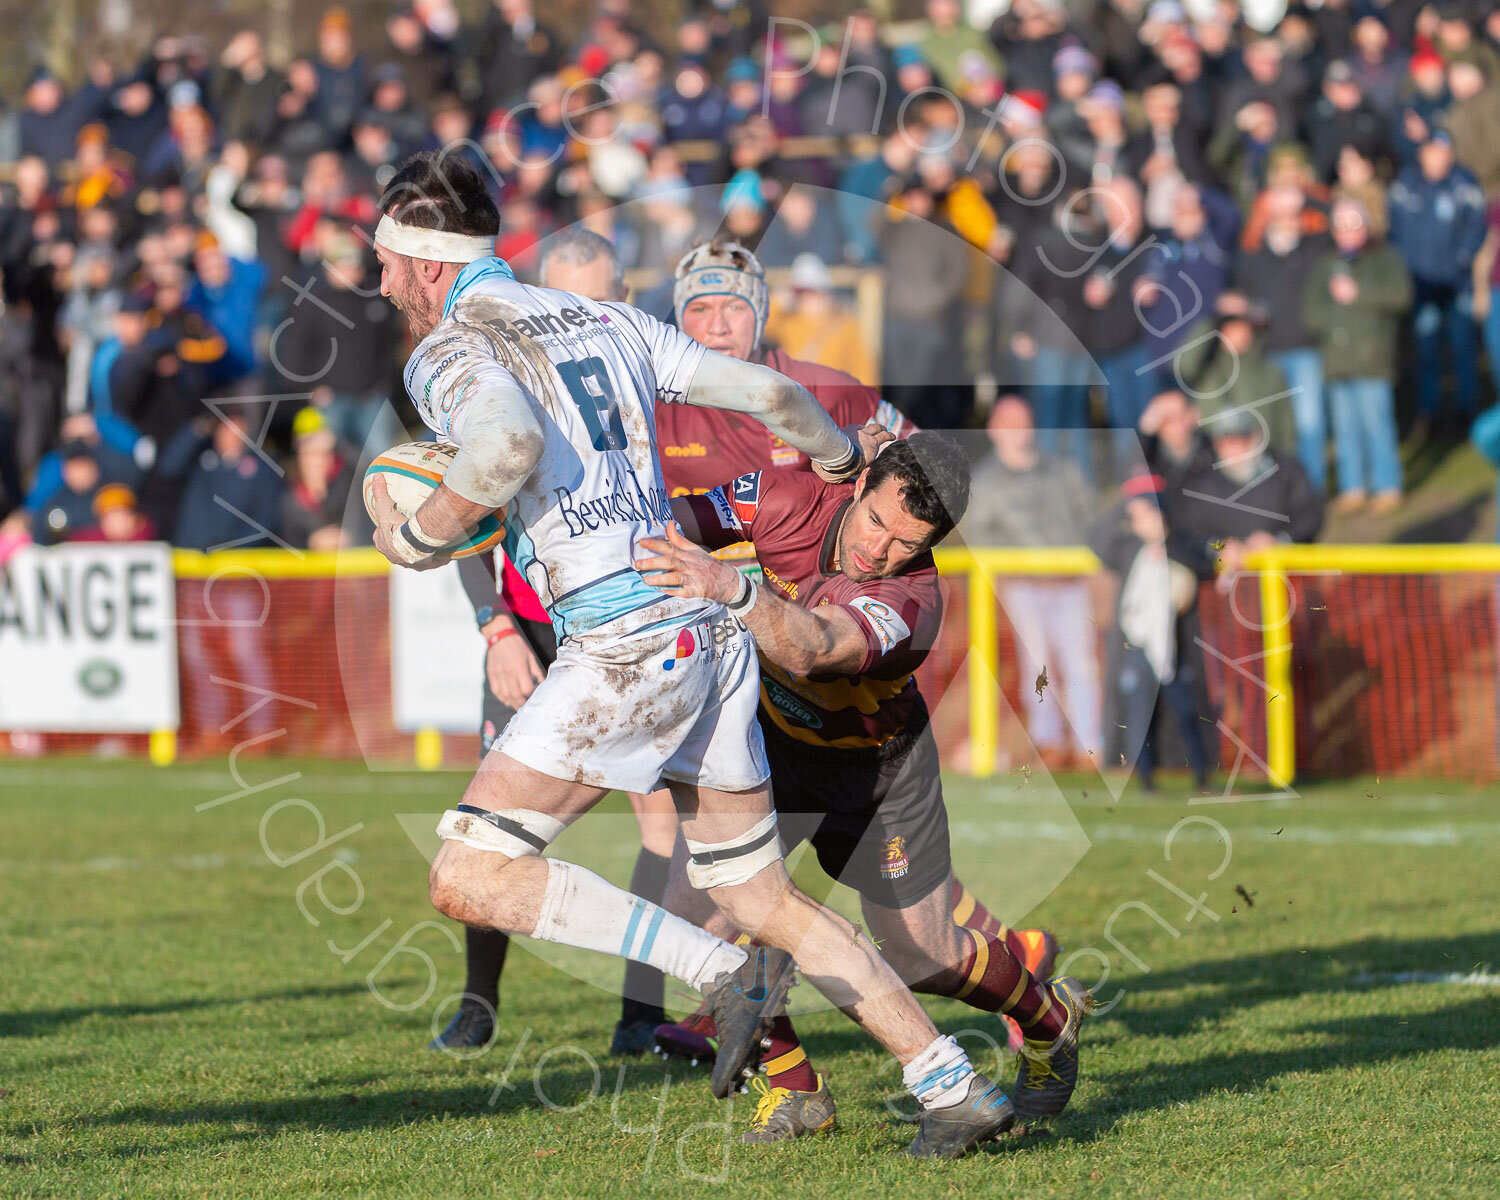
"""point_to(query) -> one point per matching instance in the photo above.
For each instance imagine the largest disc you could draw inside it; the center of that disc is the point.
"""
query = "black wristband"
(419, 542)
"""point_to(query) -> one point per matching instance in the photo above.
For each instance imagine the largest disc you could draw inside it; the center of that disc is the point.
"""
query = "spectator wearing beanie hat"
(1424, 106)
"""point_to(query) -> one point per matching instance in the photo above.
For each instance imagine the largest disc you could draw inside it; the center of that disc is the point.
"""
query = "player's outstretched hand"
(680, 568)
(388, 519)
(871, 438)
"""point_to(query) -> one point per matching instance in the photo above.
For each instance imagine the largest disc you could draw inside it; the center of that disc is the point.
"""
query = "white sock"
(581, 909)
(939, 1076)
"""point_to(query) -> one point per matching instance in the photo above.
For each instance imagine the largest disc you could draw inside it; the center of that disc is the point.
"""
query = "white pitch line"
(1057, 831)
(1476, 977)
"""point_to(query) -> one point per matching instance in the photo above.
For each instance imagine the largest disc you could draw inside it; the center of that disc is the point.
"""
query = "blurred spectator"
(342, 343)
(1486, 278)
(1354, 301)
(117, 518)
(1036, 313)
(921, 374)
(227, 495)
(804, 224)
(1344, 117)
(1244, 497)
(514, 49)
(1473, 118)
(317, 502)
(1273, 273)
(226, 292)
(1166, 153)
(51, 119)
(1375, 65)
(1155, 659)
(340, 72)
(816, 327)
(70, 506)
(1357, 181)
(244, 89)
(1424, 106)
(1112, 330)
(1223, 365)
(1438, 224)
(1023, 497)
(1172, 443)
(947, 41)
(1188, 270)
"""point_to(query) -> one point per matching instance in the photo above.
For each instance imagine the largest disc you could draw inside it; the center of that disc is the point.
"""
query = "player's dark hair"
(435, 190)
(934, 478)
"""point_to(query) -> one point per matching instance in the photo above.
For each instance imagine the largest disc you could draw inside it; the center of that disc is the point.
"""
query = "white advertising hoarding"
(437, 654)
(88, 640)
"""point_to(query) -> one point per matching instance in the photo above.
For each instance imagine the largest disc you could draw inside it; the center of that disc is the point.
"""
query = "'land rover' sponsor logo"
(790, 705)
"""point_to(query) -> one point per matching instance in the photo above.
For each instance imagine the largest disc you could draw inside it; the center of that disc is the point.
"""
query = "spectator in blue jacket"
(1186, 273)
(227, 292)
(1437, 223)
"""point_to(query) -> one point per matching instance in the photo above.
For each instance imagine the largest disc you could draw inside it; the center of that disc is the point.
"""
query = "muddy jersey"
(701, 448)
(592, 374)
(793, 518)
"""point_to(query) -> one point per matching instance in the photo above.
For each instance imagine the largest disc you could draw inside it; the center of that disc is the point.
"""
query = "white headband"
(432, 244)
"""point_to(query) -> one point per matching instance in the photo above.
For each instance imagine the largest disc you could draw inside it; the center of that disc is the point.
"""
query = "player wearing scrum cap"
(551, 400)
(720, 298)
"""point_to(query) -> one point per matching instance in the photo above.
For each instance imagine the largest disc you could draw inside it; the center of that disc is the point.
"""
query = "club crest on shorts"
(893, 861)
(686, 645)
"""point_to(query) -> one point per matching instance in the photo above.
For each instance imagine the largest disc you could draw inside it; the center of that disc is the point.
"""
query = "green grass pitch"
(231, 999)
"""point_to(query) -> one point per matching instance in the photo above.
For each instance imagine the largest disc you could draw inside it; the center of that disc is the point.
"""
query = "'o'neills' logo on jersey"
(788, 704)
(790, 588)
(619, 504)
(691, 450)
(543, 324)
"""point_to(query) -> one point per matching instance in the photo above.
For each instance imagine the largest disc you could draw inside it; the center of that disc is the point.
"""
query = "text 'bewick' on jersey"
(621, 503)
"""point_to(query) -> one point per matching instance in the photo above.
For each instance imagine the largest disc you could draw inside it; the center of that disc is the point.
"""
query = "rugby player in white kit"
(550, 398)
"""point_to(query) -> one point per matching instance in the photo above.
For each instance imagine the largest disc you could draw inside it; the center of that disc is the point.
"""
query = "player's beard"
(422, 313)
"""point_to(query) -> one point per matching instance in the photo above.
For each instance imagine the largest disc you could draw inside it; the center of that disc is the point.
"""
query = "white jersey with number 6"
(591, 373)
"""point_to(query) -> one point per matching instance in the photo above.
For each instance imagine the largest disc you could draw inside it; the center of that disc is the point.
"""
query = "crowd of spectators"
(1269, 231)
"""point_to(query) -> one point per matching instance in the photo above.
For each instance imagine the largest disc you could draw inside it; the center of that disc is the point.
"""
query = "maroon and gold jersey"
(793, 518)
(702, 447)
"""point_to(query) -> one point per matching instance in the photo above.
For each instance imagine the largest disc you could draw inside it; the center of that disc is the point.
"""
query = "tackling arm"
(824, 641)
(783, 406)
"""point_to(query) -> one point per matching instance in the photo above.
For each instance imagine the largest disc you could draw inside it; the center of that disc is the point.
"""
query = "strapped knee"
(724, 864)
(516, 832)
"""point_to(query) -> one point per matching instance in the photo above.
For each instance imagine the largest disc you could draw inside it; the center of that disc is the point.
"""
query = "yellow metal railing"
(981, 567)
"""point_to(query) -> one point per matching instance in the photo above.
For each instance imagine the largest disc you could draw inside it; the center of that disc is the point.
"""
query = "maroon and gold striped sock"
(992, 979)
(971, 914)
(786, 1061)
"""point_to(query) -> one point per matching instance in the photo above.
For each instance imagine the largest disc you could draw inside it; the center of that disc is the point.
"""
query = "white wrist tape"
(408, 553)
(845, 463)
(741, 605)
(434, 244)
(739, 860)
(516, 832)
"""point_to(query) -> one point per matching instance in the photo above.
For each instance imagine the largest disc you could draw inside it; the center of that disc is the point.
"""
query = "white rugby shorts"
(679, 705)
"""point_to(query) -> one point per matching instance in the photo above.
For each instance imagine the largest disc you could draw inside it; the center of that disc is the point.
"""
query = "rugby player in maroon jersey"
(850, 609)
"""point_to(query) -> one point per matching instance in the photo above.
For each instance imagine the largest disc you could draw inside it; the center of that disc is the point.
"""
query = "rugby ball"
(412, 472)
